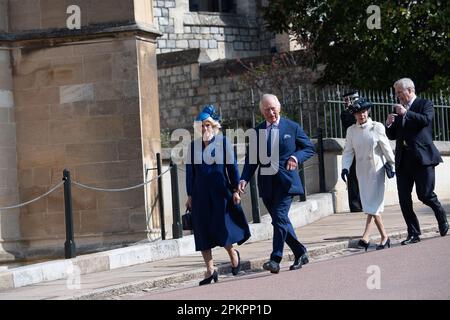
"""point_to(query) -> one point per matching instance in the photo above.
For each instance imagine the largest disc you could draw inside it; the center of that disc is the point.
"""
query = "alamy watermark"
(374, 280)
(258, 151)
(374, 20)
(74, 20)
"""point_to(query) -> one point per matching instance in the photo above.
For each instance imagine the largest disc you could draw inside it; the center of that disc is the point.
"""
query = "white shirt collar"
(365, 124)
(276, 123)
(411, 102)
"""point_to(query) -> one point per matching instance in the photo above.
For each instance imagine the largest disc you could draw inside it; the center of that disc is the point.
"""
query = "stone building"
(200, 43)
(79, 90)
(223, 28)
(81, 96)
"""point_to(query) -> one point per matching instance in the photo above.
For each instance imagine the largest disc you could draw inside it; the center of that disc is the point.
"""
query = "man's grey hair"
(405, 83)
(268, 96)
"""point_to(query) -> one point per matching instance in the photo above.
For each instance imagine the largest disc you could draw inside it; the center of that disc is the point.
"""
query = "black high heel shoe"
(235, 270)
(382, 246)
(214, 276)
(364, 244)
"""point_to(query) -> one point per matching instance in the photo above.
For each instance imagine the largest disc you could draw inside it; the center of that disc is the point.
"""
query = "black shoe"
(410, 240)
(235, 270)
(443, 229)
(214, 276)
(272, 266)
(364, 244)
(299, 262)
(387, 243)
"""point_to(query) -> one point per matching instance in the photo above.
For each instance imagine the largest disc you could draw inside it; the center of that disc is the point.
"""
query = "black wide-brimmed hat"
(360, 105)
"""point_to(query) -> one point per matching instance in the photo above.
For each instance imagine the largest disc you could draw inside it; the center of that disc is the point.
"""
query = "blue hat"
(360, 105)
(208, 111)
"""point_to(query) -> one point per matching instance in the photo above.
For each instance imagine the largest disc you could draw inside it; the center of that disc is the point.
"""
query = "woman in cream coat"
(367, 141)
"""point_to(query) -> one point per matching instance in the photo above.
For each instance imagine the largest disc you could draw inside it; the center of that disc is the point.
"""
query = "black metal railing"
(321, 108)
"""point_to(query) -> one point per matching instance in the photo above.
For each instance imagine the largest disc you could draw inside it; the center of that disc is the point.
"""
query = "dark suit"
(415, 159)
(277, 190)
(354, 201)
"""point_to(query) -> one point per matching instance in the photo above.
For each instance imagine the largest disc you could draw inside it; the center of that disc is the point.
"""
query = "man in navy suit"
(278, 179)
(415, 156)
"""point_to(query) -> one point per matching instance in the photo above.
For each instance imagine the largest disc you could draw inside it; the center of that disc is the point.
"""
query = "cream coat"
(369, 144)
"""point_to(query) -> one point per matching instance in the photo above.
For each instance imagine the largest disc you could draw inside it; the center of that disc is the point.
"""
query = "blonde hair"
(215, 125)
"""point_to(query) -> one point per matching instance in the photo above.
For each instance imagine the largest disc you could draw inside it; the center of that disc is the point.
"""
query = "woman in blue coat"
(213, 197)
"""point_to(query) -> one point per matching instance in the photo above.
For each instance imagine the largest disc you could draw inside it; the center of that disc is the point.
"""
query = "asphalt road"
(417, 271)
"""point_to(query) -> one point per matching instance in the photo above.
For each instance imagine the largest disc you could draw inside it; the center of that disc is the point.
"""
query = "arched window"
(213, 5)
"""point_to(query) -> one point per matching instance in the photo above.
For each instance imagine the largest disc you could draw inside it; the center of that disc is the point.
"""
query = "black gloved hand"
(344, 175)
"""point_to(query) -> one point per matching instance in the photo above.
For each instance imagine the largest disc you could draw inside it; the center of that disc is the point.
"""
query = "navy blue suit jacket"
(292, 142)
(417, 133)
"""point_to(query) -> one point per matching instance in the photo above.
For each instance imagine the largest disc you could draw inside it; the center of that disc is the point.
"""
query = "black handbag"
(186, 220)
(389, 172)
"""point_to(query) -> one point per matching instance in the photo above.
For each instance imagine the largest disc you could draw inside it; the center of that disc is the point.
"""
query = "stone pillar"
(83, 103)
(9, 219)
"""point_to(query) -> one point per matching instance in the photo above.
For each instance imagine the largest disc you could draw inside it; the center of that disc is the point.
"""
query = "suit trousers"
(278, 206)
(354, 200)
(411, 172)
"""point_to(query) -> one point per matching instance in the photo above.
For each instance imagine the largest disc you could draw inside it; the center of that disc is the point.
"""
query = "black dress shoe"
(410, 240)
(214, 276)
(299, 262)
(272, 266)
(382, 246)
(235, 270)
(443, 229)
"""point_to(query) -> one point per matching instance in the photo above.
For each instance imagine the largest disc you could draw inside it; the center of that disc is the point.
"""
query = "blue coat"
(293, 142)
(216, 220)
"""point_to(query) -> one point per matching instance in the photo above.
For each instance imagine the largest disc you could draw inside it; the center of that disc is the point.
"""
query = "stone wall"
(77, 107)
(187, 81)
(9, 219)
(222, 35)
(48, 14)
(85, 100)
(4, 16)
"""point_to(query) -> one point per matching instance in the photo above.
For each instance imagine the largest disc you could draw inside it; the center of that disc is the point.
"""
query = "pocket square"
(286, 136)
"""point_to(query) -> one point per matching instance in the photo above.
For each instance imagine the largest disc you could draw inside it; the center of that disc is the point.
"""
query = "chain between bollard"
(78, 184)
(33, 200)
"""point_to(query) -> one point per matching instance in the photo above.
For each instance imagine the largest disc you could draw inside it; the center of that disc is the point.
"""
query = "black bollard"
(177, 228)
(69, 245)
(321, 161)
(160, 196)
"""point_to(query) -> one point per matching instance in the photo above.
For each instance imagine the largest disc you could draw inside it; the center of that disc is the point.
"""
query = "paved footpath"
(330, 234)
